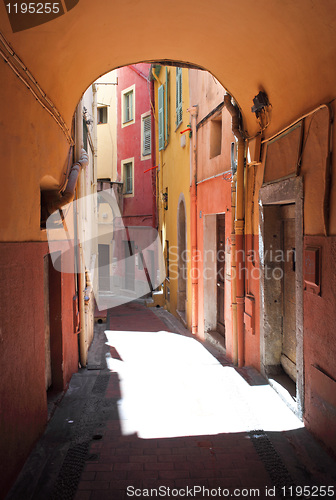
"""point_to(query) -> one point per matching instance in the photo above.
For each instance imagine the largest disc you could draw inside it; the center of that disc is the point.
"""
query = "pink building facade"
(136, 170)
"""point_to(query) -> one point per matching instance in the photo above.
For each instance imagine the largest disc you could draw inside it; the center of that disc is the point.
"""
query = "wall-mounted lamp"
(260, 102)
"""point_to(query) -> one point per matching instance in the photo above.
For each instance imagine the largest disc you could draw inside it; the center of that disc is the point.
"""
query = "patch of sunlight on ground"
(172, 386)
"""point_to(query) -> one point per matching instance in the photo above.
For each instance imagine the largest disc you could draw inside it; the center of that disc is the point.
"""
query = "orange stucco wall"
(295, 44)
(317, 170)
(319, 346)
(22, 388)
(213, 197)
(23, 411)
(64, 67)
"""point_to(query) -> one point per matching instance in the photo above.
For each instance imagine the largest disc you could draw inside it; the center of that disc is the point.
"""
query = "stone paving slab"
(86, 454)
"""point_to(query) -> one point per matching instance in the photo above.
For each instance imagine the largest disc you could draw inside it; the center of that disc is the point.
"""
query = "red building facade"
(136, 170)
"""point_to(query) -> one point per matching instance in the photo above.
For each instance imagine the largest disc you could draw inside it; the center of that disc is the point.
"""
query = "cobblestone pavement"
(157, 414)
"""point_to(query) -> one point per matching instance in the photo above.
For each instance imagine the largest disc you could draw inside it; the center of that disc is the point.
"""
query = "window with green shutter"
(178, 96)
(128, 178)
(161, 117)
(128, 106)
(167, 108)
(146, 135)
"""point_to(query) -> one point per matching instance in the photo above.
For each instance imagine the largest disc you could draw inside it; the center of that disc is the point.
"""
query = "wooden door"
(220, 272)
(288, 355)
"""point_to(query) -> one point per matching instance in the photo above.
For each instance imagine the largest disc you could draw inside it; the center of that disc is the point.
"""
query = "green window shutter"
(146, 134)
(166, 109)
(161, 116)
(128, 106)
(128, 178)
(178, 96)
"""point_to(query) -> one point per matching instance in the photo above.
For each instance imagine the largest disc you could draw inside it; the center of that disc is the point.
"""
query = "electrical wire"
(297, 121)
(27, 78)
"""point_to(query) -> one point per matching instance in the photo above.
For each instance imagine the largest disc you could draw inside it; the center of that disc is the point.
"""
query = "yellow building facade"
(106, 87)
(173, 184)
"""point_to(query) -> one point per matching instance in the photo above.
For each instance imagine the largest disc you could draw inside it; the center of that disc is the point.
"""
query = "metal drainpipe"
(233, 273)
(239, 230)
(81, 275)
(69, 193)
(153, 172)
(193, 224)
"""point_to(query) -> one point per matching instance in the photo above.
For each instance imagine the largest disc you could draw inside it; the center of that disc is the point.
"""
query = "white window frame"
(123, 95)
(123, 163)
(148, 156)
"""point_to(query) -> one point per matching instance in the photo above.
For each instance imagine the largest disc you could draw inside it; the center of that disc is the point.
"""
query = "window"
(161, 117)
(128, 178)
(163, 108)
(216, 136)
(167, 108)
(146, 135)
(102, 114)
(128, 106)
(178, 96)
(127, 172)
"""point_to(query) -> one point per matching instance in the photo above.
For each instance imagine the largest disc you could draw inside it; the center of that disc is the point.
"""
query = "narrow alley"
(167, 249)
(158, 413)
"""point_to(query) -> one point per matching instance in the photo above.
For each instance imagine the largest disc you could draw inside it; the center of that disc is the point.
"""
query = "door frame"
(278, 193)
(182, 247)
(219, 328)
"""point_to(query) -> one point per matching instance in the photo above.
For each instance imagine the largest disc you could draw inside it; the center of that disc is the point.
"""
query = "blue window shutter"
(166, 109)
(161, 116)
(178, 96)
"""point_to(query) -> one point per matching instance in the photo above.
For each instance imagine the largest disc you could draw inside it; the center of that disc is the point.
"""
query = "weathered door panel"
(220, 273)
(288, 355)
